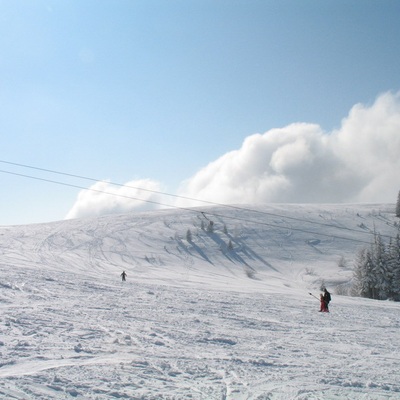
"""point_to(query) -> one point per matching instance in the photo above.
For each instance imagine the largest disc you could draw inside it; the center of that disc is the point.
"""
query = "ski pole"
(313, 296)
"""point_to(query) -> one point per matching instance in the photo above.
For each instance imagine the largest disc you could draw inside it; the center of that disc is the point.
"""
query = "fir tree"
(358, 274)
(398, 206)
(380, 269)
(363, 278)
(394, 267)
(377, 271)
(369, 283)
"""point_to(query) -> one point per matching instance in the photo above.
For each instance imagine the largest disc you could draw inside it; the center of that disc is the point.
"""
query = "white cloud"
(299, 163)
(360, 162)
(105, 198)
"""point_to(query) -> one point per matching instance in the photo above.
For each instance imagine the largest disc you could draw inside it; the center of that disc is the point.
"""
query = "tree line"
(377, 270)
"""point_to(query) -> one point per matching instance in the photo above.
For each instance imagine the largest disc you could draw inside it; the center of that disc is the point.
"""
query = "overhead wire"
(240, 208)
(191, 209)
(215, 214)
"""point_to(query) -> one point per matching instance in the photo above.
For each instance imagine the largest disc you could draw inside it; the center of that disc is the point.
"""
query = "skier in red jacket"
(323, 307)
(327, 299)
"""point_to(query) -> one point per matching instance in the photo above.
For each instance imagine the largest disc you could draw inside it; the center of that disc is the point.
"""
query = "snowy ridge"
(225, 315)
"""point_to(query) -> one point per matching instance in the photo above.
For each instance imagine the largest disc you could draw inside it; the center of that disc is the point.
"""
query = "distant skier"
(124, 275)
(323, 307)
(327, 299)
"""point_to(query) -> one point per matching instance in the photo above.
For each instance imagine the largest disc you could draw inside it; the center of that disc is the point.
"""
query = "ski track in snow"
(70, 329)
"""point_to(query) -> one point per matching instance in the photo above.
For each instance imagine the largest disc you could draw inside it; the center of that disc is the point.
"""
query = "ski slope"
(195, 319)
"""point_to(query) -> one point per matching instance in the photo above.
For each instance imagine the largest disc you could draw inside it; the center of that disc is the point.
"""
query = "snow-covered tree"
(189, 236)
(380, 270)
(377, 271)
(358, 274)
(394, 268)
(369, 287)
(363, 278)
(398, 206)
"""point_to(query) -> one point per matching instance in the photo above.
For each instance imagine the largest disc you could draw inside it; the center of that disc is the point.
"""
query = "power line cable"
(179, 197)
(215, 214)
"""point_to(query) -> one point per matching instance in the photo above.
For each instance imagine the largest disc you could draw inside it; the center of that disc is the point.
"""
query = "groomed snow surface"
(197, 319)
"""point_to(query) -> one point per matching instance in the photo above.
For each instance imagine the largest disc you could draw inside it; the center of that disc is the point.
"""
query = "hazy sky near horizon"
(238, 101)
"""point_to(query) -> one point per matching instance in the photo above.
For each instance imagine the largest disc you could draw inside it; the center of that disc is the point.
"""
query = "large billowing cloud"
(106, 198)
(300, 163)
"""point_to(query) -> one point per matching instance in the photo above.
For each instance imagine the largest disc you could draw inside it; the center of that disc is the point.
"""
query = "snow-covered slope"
(225, 315)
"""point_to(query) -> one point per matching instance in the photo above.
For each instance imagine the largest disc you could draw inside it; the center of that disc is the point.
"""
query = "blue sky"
(157, 90)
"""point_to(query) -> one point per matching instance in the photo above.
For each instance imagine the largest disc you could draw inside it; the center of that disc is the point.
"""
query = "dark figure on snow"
(124, 275)
(327, 299)
(323, 307)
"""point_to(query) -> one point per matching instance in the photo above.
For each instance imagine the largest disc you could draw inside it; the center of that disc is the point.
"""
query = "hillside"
(197, 318)
(292, 245)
